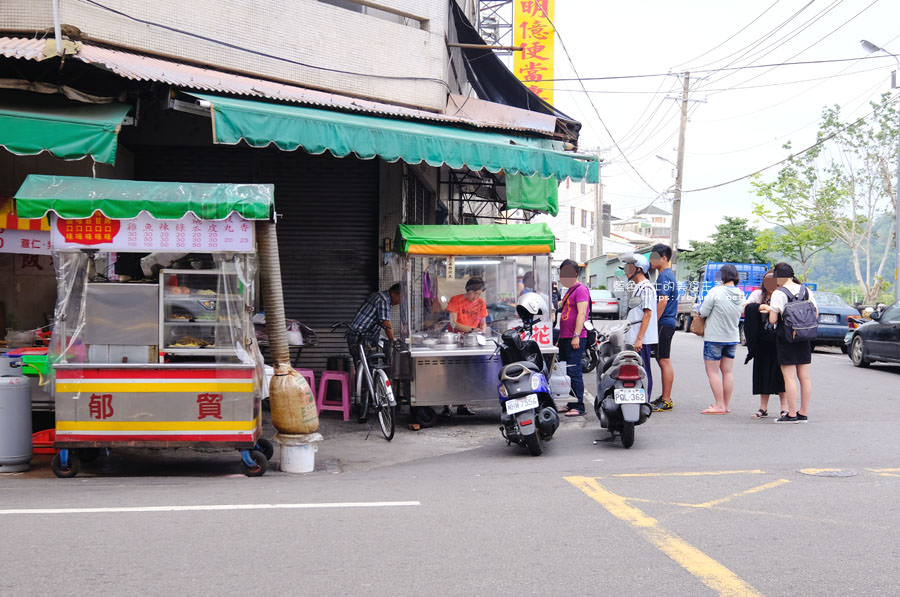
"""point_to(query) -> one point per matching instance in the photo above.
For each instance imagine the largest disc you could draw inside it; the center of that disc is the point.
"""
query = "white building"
(652, 223)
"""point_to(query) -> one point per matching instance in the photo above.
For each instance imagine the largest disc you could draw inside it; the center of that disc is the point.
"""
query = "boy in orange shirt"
(468, 311)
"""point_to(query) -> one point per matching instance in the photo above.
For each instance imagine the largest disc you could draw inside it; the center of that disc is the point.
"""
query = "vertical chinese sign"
(534, 32)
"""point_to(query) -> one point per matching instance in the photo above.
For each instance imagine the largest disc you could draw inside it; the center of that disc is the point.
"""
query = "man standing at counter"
(468, 311)
(572, 314)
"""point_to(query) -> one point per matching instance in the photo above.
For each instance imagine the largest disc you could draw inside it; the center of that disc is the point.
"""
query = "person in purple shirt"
(572, 315)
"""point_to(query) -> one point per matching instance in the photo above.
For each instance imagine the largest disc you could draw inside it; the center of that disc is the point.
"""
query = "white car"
(604, 305)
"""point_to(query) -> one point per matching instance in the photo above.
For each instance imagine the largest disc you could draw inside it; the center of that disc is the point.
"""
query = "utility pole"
(679, 175)
(598, 206)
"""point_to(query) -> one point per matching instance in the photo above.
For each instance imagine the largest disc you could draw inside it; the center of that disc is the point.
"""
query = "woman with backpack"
(794, 309)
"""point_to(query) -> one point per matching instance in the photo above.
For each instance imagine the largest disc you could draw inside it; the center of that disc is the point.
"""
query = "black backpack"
(799, 320)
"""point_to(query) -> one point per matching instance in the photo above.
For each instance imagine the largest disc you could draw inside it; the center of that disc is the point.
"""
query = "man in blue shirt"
(373, 315)
(667, 310)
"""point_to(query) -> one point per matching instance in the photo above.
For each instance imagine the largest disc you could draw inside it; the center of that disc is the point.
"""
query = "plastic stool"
(343, 377)
(310, 379)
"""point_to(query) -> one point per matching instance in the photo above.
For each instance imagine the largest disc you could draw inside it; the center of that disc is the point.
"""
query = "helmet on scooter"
(530, 306)
(639, 262)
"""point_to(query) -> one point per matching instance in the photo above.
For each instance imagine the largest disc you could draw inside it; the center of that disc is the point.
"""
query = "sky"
(739, 120)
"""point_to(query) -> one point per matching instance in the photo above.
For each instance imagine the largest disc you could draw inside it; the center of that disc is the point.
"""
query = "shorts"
(664, 348)
(716, 351)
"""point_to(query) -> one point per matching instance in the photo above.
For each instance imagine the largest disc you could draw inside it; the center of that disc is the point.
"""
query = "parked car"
(876, 340)
(834, 319)
(604, 305)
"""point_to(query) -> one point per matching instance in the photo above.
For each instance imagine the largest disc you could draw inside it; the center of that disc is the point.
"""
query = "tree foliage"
(841, 188)
(734, 241)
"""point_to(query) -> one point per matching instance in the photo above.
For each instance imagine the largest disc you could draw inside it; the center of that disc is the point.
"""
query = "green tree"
(734, 241)
(842, 187)
(798, 235)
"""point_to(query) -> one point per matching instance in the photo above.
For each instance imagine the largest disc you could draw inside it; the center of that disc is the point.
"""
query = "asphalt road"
(700, 505)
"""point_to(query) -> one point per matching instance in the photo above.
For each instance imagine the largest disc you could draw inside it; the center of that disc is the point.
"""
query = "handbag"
(698, 324)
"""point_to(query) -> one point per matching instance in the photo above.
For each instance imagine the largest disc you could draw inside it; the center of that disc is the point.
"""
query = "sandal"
(563, 409)
(760, 414)
(574, 412)
(712, 411)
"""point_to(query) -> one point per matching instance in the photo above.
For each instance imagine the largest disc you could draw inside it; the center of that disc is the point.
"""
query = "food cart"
(162, 356)
(436, 262)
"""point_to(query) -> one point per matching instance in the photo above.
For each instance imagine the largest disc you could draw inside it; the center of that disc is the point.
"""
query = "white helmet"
(639, 262)
(530, 306)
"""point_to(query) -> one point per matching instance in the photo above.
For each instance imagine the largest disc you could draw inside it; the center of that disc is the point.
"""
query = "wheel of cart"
(254, 463)
(266, 447)
(65, 464)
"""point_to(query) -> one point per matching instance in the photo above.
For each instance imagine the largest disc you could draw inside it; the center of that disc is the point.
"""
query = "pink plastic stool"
(310, 379)
(341, 377)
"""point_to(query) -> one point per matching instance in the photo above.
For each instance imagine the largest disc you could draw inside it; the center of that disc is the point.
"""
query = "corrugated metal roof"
(139, 67)
(27, 49)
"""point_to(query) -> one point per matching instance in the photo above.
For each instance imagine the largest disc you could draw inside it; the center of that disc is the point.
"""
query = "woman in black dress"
(767, 378)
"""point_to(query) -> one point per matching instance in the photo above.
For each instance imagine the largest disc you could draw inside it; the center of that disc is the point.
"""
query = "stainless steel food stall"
(436, 262)
(162, 362)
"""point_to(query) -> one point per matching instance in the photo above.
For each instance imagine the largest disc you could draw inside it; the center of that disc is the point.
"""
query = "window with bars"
(572, 216)
(418, 199)
(584, 218)
(584, 253)
(593, 223)
(572, 249)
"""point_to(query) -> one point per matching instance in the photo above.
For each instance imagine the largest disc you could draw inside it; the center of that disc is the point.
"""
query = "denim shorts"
(716, 351)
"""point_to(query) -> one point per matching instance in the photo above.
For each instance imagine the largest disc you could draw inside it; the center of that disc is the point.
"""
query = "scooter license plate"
(630, 395)
(517, 405)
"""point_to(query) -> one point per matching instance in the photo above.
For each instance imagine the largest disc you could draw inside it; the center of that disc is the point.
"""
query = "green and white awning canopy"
(32, 123)
(75, 197)
(290, 127)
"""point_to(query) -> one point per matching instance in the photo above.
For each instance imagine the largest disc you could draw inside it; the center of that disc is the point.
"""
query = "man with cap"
(642, 332)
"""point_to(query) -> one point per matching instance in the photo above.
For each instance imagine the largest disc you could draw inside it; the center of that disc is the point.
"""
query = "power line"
(596, 111)
(715, 70)
(830, 33)
(741, 30)
(790, 157)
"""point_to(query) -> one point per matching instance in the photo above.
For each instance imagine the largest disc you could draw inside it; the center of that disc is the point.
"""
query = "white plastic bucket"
(298, 452)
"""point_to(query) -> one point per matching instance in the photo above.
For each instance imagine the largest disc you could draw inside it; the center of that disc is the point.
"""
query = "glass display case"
(202, 314)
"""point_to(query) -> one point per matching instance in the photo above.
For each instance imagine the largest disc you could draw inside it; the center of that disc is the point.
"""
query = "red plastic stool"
(310, 379)
(343, 404)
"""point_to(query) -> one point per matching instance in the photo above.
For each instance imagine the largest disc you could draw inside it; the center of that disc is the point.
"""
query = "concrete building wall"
(351, 39)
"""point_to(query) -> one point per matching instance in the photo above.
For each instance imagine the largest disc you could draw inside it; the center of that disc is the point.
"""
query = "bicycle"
(373, 387)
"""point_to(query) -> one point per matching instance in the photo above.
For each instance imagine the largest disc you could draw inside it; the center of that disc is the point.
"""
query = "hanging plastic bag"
(292, 402)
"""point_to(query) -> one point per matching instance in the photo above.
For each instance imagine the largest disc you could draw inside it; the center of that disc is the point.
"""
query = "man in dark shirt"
(667, 311)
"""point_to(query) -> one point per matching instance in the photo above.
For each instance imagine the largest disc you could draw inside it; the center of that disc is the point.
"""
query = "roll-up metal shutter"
(327, 226)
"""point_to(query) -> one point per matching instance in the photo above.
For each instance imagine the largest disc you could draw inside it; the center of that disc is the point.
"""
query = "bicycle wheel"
(386, 412)
(364, 396)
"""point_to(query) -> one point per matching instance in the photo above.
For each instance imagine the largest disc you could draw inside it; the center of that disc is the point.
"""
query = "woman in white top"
(793, 357)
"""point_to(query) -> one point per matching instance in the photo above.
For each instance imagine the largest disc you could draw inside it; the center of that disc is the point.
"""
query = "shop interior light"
(465, 262)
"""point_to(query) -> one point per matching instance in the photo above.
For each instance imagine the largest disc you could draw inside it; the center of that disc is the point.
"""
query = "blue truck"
(692, 292)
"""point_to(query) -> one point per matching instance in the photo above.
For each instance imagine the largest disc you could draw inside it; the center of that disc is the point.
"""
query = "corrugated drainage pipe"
(293, 407)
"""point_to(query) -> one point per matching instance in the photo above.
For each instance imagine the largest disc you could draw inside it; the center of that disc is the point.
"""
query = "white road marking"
(211, 507)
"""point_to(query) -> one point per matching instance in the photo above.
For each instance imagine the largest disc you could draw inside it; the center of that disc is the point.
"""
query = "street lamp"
(871, 49)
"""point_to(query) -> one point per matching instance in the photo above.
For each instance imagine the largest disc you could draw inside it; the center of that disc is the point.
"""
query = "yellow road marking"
(709, 571)
(691, 474)
(750, 491)
(884, 470)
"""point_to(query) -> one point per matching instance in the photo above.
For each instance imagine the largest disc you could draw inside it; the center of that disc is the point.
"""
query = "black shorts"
(664, 348)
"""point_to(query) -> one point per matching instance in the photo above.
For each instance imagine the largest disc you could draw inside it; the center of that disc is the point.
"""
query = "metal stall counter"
(449, 328)
(160, 356)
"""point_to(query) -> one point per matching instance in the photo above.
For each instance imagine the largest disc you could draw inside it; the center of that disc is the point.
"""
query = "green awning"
(532, 192)
(32, 123)
(491, 239)
(74, 197)
(315, 130)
